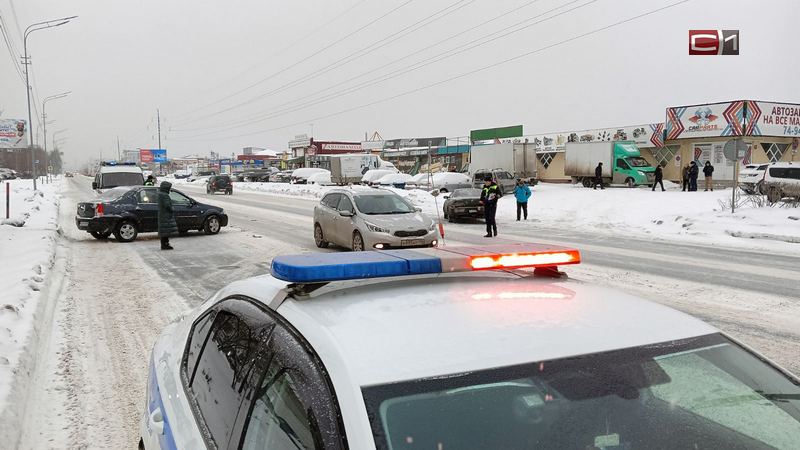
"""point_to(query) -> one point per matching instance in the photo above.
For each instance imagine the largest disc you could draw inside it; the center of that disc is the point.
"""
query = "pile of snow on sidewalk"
(27, 251)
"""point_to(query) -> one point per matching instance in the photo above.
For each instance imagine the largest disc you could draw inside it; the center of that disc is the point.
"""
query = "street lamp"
(44, 122)
(35, 27)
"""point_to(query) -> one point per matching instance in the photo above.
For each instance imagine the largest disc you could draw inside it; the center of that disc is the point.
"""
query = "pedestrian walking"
(685, 178)
(166, 216)
(489, 196)
(708, 171)
(659, 178)
(150, 181)
(694, 171)
(522, 193)
(598, 176)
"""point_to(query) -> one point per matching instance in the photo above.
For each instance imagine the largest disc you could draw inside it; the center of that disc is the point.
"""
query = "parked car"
(750, 178)
(68, 174)
(782, 180)
(368, 218)
(396, 180)
(504, 179)
(260, 174)
(300, 176)
(320, 178)
(127, 211)
(7, 174)
(373, 175)
(446, 182)
(284, 176)
(463, 204)
(219, 183)
(182, 173)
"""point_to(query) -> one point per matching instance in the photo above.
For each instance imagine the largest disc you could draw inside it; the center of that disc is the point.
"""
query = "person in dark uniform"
(694, 171)
(489, 196)
(166, 216)
(708, 171)
(598, 176)
(659, 178)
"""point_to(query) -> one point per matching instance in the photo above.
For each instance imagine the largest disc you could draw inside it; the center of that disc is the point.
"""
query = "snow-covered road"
(88, 389)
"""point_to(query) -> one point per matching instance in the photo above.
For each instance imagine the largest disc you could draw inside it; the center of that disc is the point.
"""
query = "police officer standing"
(489, 196)
(694, 171)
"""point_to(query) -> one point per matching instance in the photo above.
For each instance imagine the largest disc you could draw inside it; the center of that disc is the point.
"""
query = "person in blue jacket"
(522, 193)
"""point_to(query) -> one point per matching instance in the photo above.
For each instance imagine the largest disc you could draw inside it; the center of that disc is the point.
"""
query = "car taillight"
(98, 210)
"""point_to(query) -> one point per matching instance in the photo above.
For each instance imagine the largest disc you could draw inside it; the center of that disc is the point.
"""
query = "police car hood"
(404, 330)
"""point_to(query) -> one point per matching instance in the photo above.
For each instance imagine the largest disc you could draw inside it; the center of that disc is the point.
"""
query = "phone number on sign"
(793, 131)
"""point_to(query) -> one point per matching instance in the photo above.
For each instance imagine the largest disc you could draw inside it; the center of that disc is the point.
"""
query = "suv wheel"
(211, 225)
(318, 237)
(126, 231)
(358, 242)
(630, 183)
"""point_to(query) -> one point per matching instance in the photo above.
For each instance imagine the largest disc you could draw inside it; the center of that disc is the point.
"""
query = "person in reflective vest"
(489, 196)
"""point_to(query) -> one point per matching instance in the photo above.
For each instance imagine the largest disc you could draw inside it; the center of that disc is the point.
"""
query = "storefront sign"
(644, 136)
(773, 119)
(415, 142)
(491, 134)
(711, 120)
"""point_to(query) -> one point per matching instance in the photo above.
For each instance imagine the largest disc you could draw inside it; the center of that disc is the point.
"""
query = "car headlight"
(641, 173)
(376, 229)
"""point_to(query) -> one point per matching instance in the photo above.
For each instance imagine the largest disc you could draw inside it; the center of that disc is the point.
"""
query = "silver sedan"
(370, 218)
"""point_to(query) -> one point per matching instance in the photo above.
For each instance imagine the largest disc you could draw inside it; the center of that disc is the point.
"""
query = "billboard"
(13, 133)
(153, 155)
(415, 142)
(773, 119)
(709, 120)
(491, 134)
(647, 135)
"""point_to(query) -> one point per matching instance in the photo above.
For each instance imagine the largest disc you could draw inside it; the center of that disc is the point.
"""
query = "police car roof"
(404, 329)
(121, 168)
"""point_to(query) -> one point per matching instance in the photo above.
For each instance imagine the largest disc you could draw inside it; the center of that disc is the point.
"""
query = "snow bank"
(27, 253)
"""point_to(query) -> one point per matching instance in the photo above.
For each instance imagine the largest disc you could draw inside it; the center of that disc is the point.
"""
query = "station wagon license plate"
(83, 224)
(412, 242)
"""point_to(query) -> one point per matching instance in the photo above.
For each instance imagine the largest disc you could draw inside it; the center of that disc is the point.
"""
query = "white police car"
(409, 350)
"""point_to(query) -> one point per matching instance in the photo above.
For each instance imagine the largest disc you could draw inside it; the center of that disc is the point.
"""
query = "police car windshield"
(716, 394)
(115, 179)
(637, 162)
(382, 204)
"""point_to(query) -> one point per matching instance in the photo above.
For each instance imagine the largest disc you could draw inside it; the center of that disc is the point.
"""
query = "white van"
(782, 180)
(112, 175)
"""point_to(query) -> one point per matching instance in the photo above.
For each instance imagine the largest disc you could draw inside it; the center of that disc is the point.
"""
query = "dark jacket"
(659, 173)
(490, 194)
(598, 171)
(708, 169)
(685, 173)
(693, 172)
(166, 216)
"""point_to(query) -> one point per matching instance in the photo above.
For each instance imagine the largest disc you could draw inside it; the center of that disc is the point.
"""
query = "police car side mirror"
(94, 184)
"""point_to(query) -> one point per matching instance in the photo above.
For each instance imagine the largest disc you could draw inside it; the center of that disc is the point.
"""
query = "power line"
(11, 48)
(273, 75)
(425, 62)
(462, 75)
(453, 7)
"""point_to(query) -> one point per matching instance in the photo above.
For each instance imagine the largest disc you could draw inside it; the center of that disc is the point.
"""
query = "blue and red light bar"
(327, 267)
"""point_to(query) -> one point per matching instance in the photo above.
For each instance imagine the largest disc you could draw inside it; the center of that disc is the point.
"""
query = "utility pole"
(158, 123)
(119, 155)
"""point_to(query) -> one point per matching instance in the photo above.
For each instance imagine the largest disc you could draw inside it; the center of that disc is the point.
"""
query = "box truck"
(503, 162)
(351, 167)
(622, 163)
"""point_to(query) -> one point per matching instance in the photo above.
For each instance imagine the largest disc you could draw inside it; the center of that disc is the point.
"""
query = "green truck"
(623, 164)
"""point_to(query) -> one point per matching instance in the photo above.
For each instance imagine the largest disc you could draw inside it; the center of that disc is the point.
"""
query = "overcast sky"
(230, 74)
